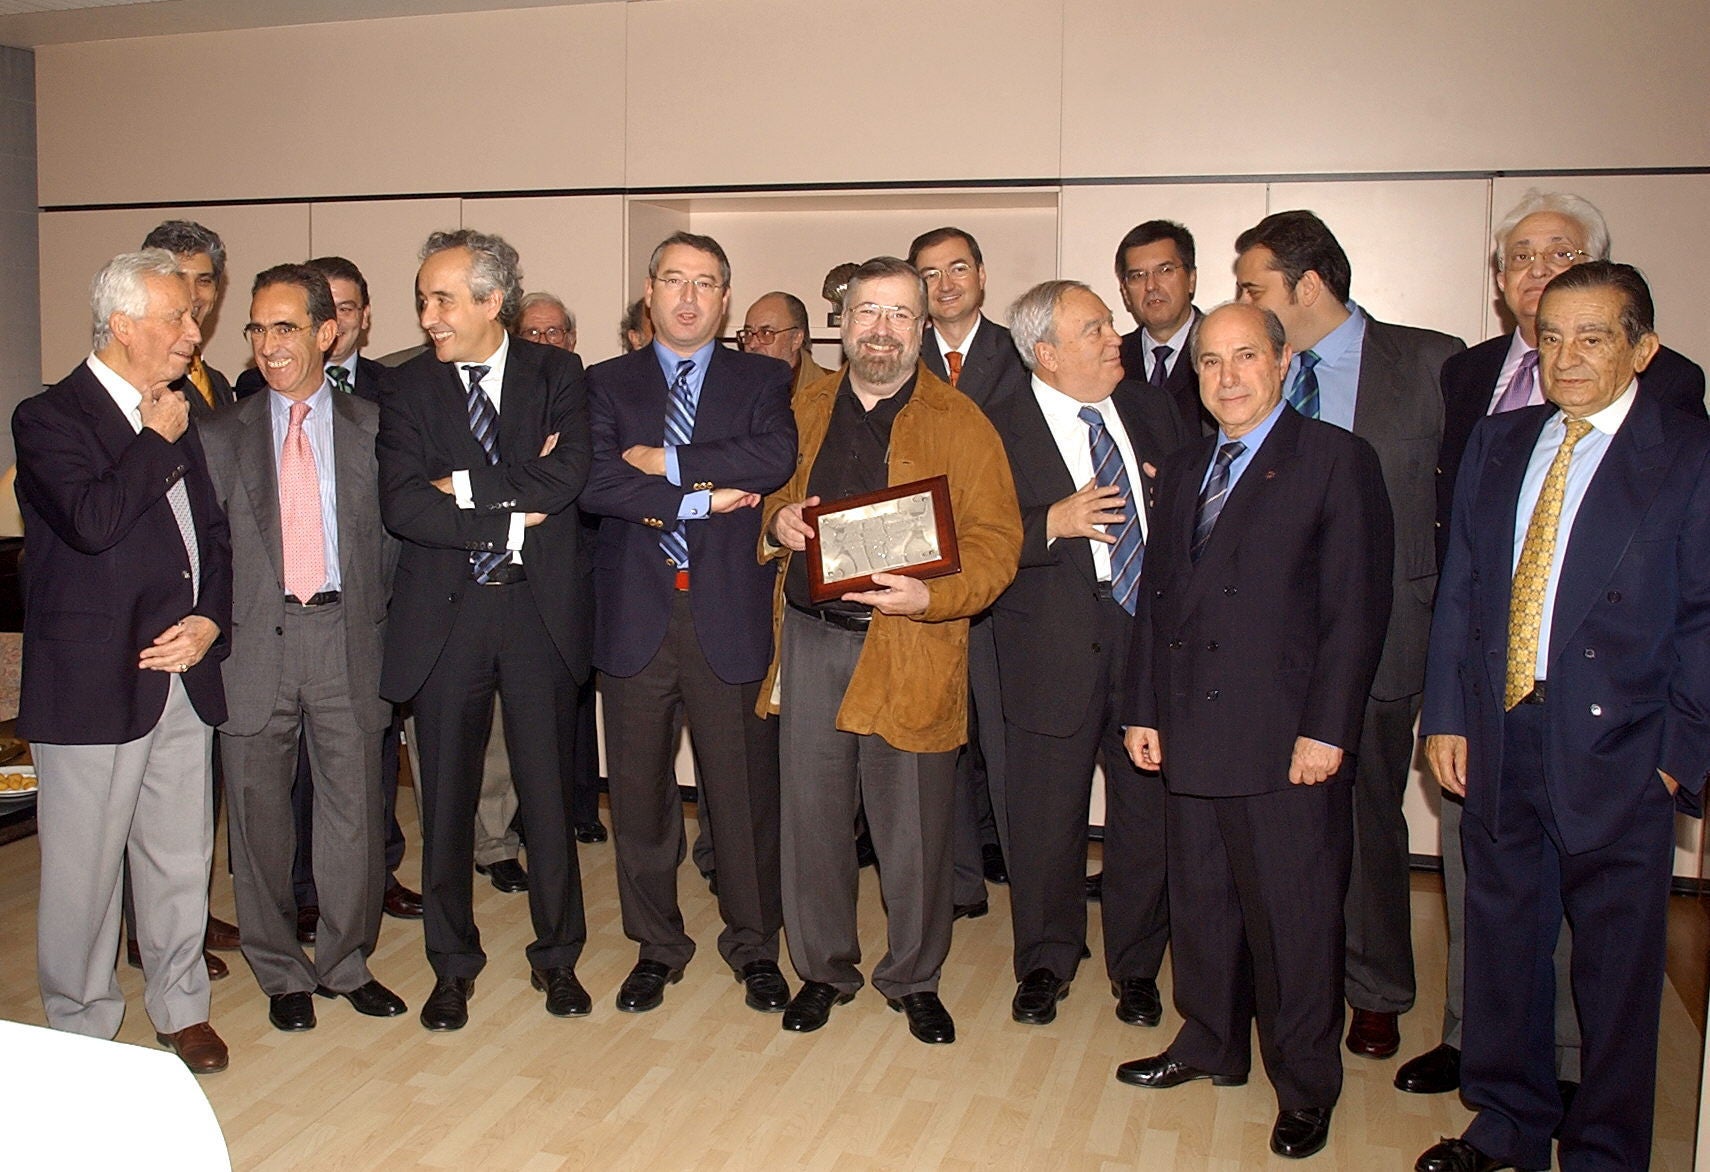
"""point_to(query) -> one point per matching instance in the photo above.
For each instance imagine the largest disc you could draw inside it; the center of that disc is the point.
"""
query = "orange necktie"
(199, 379)
(954, 361)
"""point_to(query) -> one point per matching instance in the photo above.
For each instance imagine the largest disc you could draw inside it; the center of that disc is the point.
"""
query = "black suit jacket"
(1182, 382)
(1276, 631)
(105, 569)
(424, 435)
(744, 437)
(1469, 381)
(371, 379)
(991, 369)
(1049, 618)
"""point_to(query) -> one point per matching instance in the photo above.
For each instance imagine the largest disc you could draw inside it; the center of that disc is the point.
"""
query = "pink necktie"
(1519, 392)
(300, 512)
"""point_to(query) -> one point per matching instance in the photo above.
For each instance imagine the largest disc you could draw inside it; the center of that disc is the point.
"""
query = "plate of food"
(17, 781)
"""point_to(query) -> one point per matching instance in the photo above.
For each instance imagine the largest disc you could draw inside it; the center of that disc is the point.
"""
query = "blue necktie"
(1303, 396)
(1129, 551)
(679, 428)
(1160, 355)
(1212, 496)
(484, 425)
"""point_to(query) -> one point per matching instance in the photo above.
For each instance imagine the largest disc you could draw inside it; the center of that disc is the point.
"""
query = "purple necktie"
(1519, 392)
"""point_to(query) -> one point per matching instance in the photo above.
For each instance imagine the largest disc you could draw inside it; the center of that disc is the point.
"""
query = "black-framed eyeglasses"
(551, 334)
(765, 335)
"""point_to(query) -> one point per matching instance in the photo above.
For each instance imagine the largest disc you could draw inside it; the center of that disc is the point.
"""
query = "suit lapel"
(1378, 396)
(350, 460)
(1148, 449)
(258, 467)
(980, 356)
(1042, 469)
(932, 355)
(521, 404)
(1494, 521)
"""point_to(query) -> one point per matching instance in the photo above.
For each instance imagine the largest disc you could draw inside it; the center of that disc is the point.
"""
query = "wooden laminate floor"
(706, 1083)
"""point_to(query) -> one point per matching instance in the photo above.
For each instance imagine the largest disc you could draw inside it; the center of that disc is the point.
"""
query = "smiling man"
(295, 471)
(201, 257)
(483, 454)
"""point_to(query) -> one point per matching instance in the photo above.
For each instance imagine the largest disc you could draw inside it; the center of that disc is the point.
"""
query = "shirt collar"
(127, 397)
(320, 403)
(1177, 342)
(1336, 344)
(944, 347)
(1255, 439)
(1061, 408)
(669, 358)
(1609, 420)
(349, 364)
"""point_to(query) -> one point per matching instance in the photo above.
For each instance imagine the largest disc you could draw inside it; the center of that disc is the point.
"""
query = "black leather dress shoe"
(1457, 1155)
(1300, 1133)
(970, 911)
(644, 988)
(1435, 1072)
(291, 1012)
(371, 999)
(591, 832)
(767, 990)
(928, 1020)
(308, 919)
(447, 1007)
(991, 860)
(565, 996)
(1036, 997)
(1095, 887)
(811, 1007)
(1137, 1001)
(401, 903)
(506, 874)
(1162, 1071)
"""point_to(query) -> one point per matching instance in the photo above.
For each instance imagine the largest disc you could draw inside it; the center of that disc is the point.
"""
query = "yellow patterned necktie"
(1532, 575)
(199, 379)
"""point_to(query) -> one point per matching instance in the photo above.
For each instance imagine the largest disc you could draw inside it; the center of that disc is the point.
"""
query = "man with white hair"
(1544, 234)
(127, 601)
(544, 318)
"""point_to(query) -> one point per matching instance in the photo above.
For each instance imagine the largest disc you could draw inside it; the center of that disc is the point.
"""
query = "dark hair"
(1300, 242)
(699, 243)
(1638, 311)
(187, 238)
(315, 289)
(631, 323)
(938, 236)
(879, 268)
(1151, 232)
(336, 268)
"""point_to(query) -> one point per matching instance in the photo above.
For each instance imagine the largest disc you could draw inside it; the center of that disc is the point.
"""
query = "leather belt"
(1537, 694)
(508, 574)
(321, 599)
(836, 618)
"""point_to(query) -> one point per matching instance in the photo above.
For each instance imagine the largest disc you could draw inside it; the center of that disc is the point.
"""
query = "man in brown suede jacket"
(871, 686)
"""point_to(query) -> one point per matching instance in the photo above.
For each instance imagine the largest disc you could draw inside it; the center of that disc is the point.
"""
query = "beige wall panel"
(1651, 221)
(1342, 85)
(572, 246)
(74, 246)
(412, 95)
(1095, 219)
(648, 222)
(384, 238)
(1417, 247)
(769, 75)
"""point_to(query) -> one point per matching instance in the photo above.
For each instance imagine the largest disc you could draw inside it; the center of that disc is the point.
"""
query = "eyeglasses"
(1137, 278)
(959, 270)
(551, 334)
(869, 312)
(1555, 259)
(761, 334)
(279, 331)
(702, 286)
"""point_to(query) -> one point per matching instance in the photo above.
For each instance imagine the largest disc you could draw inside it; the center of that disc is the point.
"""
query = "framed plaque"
(904, 529)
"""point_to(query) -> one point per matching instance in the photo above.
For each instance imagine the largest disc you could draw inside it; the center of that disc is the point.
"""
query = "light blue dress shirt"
(1338, 369)
(1254, 440)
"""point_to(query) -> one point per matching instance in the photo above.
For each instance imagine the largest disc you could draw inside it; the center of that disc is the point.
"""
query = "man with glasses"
(777, 326)
(688, 436)
(1543, 235)
(295, 471)
(543, 318)
(1155, 272)
(871, 686)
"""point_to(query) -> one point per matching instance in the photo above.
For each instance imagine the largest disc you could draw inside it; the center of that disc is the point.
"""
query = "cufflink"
(703, 486)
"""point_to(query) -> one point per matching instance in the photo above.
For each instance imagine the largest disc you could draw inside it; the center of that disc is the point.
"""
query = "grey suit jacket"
(241, 462)
(1398, 409)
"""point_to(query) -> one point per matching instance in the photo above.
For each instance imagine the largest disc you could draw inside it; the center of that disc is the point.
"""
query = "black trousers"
(1049, 793)
(738, 755)
(1256, 891)
(1379, 911)
(1520, 882)
(497, 645)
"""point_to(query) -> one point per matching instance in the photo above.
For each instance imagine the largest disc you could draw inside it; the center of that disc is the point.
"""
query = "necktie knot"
(1577, 429)
(1229, 452)
(1308, 359)
(298, 412)
(685, 367)
(476, 374)
(1091, 417)
(1161, 355)
(340, 377)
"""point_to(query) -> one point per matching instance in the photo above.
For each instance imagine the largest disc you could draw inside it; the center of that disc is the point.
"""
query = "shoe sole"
(1216, 1080)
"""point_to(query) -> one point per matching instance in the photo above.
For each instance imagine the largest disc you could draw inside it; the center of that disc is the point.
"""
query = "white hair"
(530, 300)
(1033, 317)
(1576, 208)
(122, 287)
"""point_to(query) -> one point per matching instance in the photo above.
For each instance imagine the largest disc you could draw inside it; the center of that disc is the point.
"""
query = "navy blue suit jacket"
(1629, 654)
(105, 569)
(744, 437)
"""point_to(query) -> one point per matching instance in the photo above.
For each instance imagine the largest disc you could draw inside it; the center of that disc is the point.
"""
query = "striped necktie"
(1303, 396)
(484, 425)
(1129, 551)
(340, 377)
(679, 429)
(1212, 496)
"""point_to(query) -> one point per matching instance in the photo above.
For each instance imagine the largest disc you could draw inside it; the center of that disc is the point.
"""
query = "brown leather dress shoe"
(308, 919)
(217, 970)
(402, 903)
(199, 1047)
(1374, 1035)
(222, 935)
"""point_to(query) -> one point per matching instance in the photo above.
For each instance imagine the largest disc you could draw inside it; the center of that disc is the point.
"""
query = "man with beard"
(871, 686)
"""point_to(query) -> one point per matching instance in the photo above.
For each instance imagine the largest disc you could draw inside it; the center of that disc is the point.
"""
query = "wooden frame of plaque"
(903, 529)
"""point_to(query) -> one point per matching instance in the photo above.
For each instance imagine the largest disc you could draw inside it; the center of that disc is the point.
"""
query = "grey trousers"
(150, 800)
(1455, 896)
(982, 813)
(349, 818)
(827, 775)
